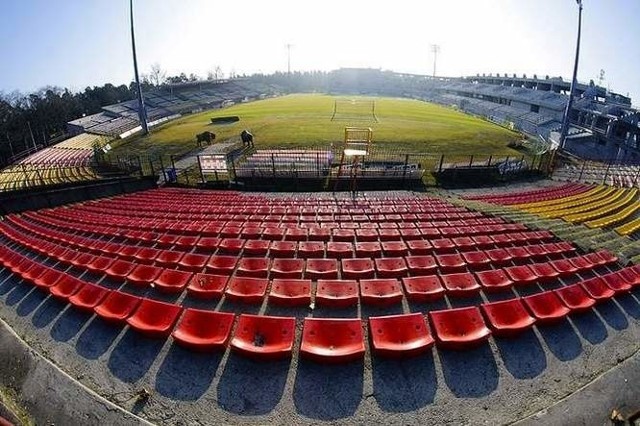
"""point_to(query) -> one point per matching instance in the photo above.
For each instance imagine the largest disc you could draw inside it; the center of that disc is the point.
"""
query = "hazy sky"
(75, 43)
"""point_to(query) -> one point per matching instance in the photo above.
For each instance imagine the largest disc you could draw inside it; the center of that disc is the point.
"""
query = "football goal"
(354, 110)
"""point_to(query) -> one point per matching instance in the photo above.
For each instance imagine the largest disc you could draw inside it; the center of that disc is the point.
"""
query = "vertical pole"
(153, 171)
(200, 167)
(606, 173)
(489, 162)
(164, 172)
(273, 166)
(441, 162)
(470, 160)
(140, 166)
(142, 113)
(574, 82)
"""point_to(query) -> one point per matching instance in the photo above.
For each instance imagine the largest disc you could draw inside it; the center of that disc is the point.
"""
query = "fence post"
(404, 171)
(471, 161)
(140, 166)
(153, 171)
(606, 173)
(441, 162)
(201, 172)
(489, 162)
(273, 166)
(164, 173)
(186, 176)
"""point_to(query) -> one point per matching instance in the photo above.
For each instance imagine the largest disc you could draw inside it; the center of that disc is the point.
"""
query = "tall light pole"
(288, 45)
(435, 49)
(574, 82)
(142, 113)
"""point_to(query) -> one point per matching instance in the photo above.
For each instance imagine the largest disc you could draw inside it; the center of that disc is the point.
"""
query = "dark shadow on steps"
(19, 292)
(523, 355)
(96, 339)
(612, 314)
(69, 324)
(133, 355)
(590, 327)
(561, 339)
(47, 312)
(29, 304)
(470, 373)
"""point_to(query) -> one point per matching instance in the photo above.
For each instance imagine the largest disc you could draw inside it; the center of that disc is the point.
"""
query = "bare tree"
(215, 73)
(157, 76)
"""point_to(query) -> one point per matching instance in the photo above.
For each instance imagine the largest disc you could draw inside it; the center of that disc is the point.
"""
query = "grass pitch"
(304, 121)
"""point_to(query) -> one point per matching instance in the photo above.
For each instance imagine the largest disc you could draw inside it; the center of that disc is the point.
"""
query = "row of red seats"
(543, 194)
(325, 340)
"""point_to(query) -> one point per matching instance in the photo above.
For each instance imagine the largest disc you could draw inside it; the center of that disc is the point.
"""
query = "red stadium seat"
(597, 289)
(494, 280)
(329, 340)
(544, 271)
(193, 262)
(204, 330)
(564, 267)
(307, 249)
(483, 241)
(423, 289)
(421, 265)
(290, 292)
(546, 307)
(369, 249)
(231, 245)
(154, 319)
(339, 250)
(391, 267)
(521, 274)
(357, 268)
(394, 248)
(205, 286)
(144, 274)
(256, 247)
(366, 235)
(166, 240)
(34, 272)
(400, 336)
(264, 337)
(67, 286)
(273, 233)
(322, 269)
(507, 317)
(498, 256)
(337, 293)
(459, 328)
(518, 253)
(450, 263)
(171, 281)
(253, 267)
(100, 264)
(606, 257)
(146, 255)
(575, 298)
(168, 258)
(282, 248)
(247, 290)
(117, 306)
(443, 245)
(380, 292)
(287, 268)
(186, 241)
(616, 282)
(208, 244)
(582, 263)
(88, 297)
(476, 259)
(319, 234)
(343, 235)
(460, 284)
(295, 234)
(222, 265)
(48, 279)
(419, 247)
(389, 235)
(630, 275)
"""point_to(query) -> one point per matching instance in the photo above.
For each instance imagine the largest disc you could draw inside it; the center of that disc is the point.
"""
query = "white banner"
(213, 163)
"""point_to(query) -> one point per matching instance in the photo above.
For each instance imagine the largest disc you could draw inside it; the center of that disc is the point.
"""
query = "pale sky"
(75, 43)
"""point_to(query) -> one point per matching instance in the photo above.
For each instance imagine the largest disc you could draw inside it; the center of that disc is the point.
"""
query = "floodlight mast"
(142, 113)
(574, 82)
(435, 48)
(288, 45)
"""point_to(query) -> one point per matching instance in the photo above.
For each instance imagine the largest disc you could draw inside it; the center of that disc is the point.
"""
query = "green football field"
(304, 120)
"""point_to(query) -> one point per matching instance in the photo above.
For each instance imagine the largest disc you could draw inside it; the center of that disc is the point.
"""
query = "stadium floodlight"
(142, 113)
(574, 82)
(435, 49)
(288, 46)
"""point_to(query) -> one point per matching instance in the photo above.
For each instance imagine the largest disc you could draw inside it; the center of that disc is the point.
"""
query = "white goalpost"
(354, 110)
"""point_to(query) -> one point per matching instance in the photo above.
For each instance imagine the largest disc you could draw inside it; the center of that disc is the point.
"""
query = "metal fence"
(612, 172)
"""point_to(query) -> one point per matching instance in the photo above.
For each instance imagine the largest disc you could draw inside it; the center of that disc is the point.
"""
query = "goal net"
(354, 110)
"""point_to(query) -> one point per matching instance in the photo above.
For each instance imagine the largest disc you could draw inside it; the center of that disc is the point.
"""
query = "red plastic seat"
(381, 292)
(247, 290)
(287, 268)
(450, 262)
(536, 252)
(231, 245)
(369, 249)
(171, 280)
(483, 241)
(476, 259)
(582, 263)
(253, 267)
(564, 267)
(88, 297)
(357, 268)
(168, 258)
(630, 275)
(460, 284)
(518, 253)
(616, 282)
(222, 265)
(146, 255)
(34, 272)
(606, 257)
(205, 286)
(154, 319)
(100, 264)
(459, 328)
(419, 247)
(66, 287)
(443, 245)
(344, 235)
(48, 279)
(394, 248)
(575, 298)
(264, 337)
(507, 317)
(186, 241)
(319, 234)
(366, 235)
(273, 233)
(389, 234)
(117, 306)
(329, 340)
(282, 248)
(391, 267)
(307, 249)
(597, 289)
(521, 274)
(337, 293)
(546, 307)
(204, 330)
(290, 292)
(193, 262)
(295, 234)
(120, 269)
(144, 274)
(421, 265)
(339, 250)
(208, 244)
(494, 280)
(322, 269)
(498, 256)
(82, 260)
(400, 336)
(423, 289)
(463, 243)
(544, 271)
(256, 247)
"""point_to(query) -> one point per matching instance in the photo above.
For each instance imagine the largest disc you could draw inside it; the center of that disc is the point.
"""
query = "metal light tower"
(288, 46)
(574, 82)
(142, 113)
(435, 49)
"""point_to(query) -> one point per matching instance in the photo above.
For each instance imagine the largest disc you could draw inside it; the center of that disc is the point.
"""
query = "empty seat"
(144, 274)
(507, 317)
(204, 330)
(264, 337)
(391, 267)
(88, 297)
(459, 328)
(100, 264)
(253, 267)
(171, 280)
(460, 284)
(498, 256)
(329, 340)
(419, 247)
(66, 287)
(283, 248)
(290, 292)
(205, 286)
(256, 247)
(208, 244)
(546, 307)
(117, 306)
(193, 262)
(423, 288)
(339, 250)
(400, 336)
(389, 234)
(247, 290)
(381, 292)
(154, 319)
(273, 233)
(186, 241)
(48, 278)
(357, 268)
(308, 249)
(476, 259)
(34, 272)
(337, 293)
(450, 262)
(575, 298)
(223, 265)
(597, 289)
(366, 235)
(287, 268)
(394, 248)
(630, 275)
(231, 245)
(421, 265)
(521, 274)
(564, 267)
(369, 249)
(167, 240)
(544, 271)
(322, 269)
(443, 245)
(169, 258)
(494, 280)
(616, 282)
(319, 234)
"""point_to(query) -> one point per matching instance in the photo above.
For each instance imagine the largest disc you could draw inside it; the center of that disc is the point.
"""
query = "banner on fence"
(213, 163)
